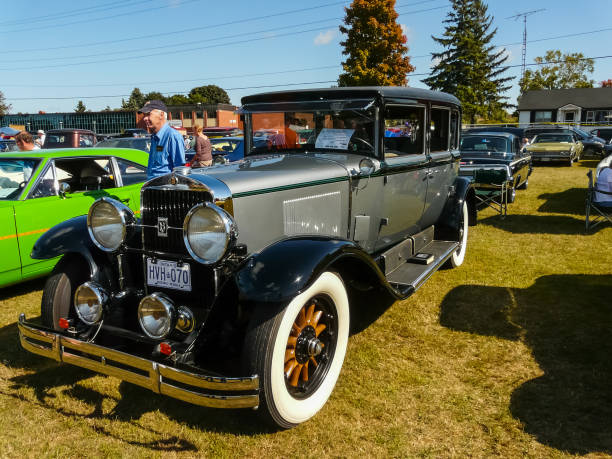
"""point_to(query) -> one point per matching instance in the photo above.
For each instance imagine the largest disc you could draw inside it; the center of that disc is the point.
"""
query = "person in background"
(203, 148)
(167, 146)
(524, 143)
(40, 141)
(25, 141)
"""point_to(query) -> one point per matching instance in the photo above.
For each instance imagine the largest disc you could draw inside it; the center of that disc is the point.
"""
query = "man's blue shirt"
(167, 151)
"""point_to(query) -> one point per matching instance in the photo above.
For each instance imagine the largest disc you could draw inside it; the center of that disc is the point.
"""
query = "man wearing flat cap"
(167, 146)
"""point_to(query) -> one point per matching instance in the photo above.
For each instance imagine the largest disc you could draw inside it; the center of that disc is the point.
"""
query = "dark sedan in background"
(496, 151)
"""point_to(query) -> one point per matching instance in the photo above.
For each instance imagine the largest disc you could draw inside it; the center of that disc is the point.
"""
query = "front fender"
(284, 269)
(464, 192)
(68, 237)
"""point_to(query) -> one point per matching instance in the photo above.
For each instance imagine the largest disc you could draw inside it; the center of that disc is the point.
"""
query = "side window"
(86, 141)
(46, 186)
(439, 129)
(404, 128)
(131, 173)
(454, 130)
(84, 174)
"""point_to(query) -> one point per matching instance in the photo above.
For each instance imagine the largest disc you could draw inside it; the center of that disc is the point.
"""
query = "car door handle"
(125, 201)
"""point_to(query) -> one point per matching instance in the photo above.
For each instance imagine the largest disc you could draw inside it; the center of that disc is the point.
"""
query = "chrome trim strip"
(154, 376)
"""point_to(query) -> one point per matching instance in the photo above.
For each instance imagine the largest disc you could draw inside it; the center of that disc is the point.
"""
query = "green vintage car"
(42, 188)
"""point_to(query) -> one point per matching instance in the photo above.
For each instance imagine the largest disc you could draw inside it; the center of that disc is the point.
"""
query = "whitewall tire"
(298, 352)
(458, 255)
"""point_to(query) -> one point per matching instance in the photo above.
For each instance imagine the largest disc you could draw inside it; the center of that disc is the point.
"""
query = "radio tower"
(524, 16)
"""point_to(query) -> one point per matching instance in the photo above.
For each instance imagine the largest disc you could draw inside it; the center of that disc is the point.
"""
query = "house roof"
(549, 99)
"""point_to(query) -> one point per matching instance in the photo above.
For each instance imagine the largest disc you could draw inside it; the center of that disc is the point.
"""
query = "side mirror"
(64, 189)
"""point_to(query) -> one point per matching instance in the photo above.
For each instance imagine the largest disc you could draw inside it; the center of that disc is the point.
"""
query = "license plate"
(168, 274)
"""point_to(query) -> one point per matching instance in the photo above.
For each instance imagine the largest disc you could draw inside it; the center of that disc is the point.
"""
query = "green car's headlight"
(108, 221)
(208, 232)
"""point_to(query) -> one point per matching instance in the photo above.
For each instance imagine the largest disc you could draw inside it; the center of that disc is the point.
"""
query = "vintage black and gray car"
(234, 286)
(496, 151)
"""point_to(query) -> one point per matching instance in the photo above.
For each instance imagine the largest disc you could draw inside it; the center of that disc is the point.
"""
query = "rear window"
(57, 141)
(484, 143)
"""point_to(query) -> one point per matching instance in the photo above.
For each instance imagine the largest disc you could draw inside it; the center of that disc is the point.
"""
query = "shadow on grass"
(571, 201)
(566, 321)
(591, 162)
(22, 288)
(537, 224)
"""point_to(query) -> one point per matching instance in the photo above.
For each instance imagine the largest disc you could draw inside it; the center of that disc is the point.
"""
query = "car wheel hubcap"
(310, 347)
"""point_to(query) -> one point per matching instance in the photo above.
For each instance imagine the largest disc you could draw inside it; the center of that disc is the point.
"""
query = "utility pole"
(524, 16)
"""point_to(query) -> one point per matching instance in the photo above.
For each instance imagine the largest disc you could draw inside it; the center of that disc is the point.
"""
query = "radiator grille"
(172, 204)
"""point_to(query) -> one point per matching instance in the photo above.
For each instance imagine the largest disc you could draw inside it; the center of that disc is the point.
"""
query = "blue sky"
(69, 51)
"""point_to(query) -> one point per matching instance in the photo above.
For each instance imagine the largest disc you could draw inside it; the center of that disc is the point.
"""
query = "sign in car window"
(334, 139)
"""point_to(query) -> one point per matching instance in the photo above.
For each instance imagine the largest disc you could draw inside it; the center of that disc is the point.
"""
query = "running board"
(409, 276)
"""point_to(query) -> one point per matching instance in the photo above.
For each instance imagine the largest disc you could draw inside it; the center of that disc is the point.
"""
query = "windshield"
(548, 138)
(348, 131)
(484, 143)
(140, 143)
(14, 176)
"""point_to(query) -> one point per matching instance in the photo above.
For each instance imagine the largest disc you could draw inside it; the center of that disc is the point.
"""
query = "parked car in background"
(592, 144)
(8, 145)
(134, 132)
(516, 131)
(559, 146)
(235, 287)
(69, 138)
(40, 189)
(212, 132)
(139, 143)
(603, 133)
(496, 151)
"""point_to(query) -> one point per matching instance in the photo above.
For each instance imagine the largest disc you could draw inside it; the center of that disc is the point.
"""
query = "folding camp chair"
(492, 189)
(596, 212)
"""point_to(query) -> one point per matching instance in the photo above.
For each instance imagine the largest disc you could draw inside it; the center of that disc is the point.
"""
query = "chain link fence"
(99, 122)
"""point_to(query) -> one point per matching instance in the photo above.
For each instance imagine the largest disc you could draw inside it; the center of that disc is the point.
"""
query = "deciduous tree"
(209, 94)
(469, 66)
(4, 107)
(375, 45)
(606, 83)
(178, 99)
(559, 71)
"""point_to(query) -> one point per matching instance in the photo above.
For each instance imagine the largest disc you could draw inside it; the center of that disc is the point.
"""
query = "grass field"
(509, 355)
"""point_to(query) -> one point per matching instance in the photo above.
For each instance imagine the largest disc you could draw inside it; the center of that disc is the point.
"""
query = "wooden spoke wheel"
(310, 343)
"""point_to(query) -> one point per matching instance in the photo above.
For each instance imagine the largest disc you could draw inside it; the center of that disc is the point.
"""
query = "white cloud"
(324, 37)
(407, 31)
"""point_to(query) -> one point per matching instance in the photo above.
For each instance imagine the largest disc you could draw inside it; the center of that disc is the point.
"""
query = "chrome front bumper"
(136, 370)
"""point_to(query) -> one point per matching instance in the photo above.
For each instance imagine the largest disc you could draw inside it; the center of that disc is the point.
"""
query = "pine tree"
(469, 66)
(80, 107)
(375, 45)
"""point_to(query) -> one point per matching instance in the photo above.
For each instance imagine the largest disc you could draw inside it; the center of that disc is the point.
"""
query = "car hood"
(550, 146)
(275, 172)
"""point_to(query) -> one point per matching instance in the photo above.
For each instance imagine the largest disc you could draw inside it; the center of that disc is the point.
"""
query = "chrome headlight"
(157, 316)
(89, 300)
(107, 222)
(208, 232)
